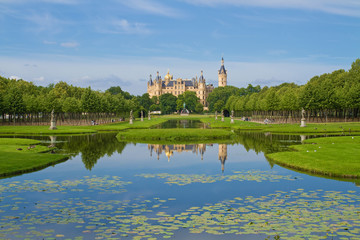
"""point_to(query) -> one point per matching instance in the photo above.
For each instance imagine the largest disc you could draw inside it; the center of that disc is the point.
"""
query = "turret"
(150, 83)
(158, 84)
(222, 73)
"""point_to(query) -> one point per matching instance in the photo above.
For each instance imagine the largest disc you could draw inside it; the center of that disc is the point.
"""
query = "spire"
(150, 81)
(222, 68)
(201, 78)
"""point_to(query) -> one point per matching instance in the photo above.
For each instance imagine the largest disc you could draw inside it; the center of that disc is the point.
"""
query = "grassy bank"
(175, 134)
(137, 124)
(13, 161)
(332, 156)
(236, 125)
(312, 128)
(44, 130)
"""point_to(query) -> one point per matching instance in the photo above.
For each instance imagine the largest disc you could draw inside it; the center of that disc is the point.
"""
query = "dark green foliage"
(335, 95)
(167, 103)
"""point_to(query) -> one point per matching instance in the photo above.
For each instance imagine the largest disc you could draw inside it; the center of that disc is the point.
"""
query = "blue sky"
(121, 42)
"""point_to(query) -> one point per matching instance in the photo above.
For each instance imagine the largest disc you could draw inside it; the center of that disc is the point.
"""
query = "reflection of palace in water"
(169, 150)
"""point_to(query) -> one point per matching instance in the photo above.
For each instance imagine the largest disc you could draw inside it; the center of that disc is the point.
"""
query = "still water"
(117, 190)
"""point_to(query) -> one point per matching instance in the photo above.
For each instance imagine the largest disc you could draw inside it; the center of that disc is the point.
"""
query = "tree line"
(330, 97)
(23, 102)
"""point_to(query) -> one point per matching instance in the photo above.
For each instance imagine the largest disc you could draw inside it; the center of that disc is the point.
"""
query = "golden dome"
(168, 76)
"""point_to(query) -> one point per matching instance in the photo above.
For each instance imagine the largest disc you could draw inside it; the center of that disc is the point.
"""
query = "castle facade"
(178, 86)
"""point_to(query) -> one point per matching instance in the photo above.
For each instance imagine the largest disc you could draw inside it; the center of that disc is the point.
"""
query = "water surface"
(118, 190)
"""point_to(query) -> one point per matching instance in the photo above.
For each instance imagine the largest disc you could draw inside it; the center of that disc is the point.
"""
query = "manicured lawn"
(126, 125)
(313, 128)
(175, 134)
(332, 156)
(44, 130)
(13, 161)
(238, 124)
(284, 128)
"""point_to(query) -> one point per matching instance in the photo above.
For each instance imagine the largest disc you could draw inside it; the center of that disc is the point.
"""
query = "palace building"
(178, 86)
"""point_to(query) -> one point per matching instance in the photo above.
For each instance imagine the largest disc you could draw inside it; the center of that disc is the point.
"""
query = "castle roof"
(222, 68)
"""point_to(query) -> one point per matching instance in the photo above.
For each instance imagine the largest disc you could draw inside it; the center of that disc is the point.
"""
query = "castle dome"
(168, 76)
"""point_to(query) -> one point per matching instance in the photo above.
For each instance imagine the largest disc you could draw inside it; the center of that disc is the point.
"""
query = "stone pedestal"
(232, 120)
(53, 121)
(303, 137)
(53, 125)
(131, 121)
(142, 116)
(303, 122)
(216, 115)
(149, 117)
(222, 118)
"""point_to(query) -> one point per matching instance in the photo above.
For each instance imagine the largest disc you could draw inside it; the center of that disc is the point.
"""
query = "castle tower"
(222, 155)
(222, 73)
(158, 85)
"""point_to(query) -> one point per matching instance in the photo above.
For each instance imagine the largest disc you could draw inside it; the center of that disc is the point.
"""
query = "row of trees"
(334, 96)
(23, 102)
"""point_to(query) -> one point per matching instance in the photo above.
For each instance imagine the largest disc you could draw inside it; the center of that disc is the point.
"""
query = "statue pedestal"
(131, 121)
(303, 122)
(142, 119)
(222, 119)
(232, 120)
(53, 125)
(216, 118)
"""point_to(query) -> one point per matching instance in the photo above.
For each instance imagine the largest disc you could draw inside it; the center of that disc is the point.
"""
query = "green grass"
(174, 135)
(312, 128)
(44, 130)
(332, 156)
(14, 162)
(137, 124)
(236, 125)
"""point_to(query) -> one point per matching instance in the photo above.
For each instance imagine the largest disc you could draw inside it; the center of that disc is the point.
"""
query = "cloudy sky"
(121, 42)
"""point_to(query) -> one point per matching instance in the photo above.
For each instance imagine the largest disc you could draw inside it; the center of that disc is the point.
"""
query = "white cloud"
(151, 7)
(45, 22)
(343, 7)
(69, 44)
(15, 77)
(39, 79)
(49, 42)
(123, 26)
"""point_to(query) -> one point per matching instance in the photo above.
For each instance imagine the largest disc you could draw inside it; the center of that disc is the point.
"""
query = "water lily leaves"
(185, 179)
(290, 215)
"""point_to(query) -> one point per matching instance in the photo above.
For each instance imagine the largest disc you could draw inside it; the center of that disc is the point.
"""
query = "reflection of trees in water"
(92, 147)
(266, 142)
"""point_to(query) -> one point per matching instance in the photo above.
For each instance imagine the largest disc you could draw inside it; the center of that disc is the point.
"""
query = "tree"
(167, 103)
(89, 101)
(144, 101)
(190, 100)
(222, 93)
(199, 108)
(219, 106)
(13, 102)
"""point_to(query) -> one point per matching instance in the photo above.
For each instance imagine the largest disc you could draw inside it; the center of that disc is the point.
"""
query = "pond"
(179, 123)
(117, 190)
